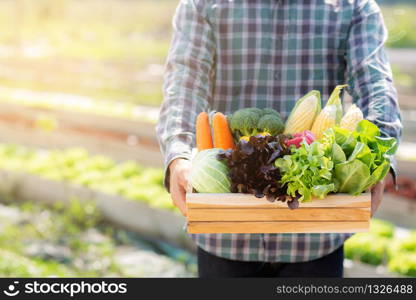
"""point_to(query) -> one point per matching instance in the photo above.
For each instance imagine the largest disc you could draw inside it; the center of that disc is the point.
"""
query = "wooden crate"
(241, 213)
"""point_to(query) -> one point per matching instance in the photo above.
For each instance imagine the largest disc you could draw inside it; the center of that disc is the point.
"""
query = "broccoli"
(251, 121)
(270, 111)
(271, 124)
(255, 110)
(244, 122)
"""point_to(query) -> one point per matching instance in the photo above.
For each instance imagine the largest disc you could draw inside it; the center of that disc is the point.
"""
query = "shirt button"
(277, 75)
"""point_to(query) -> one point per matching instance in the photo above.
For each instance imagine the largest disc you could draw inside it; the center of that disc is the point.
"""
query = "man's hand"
(376, 196)
(179, 171)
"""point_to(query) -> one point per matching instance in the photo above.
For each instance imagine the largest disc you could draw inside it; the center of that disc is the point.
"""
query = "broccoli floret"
(270, 111)
(244, 121)
(255, 110)
(271, 123)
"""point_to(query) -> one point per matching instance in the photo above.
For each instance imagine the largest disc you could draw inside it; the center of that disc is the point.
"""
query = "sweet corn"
(304, 113)
(331, 114)
(326, 119)
(335, 99)
(352, 117)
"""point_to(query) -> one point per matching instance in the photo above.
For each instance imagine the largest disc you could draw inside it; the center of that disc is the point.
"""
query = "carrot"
(203, 132)
(222, 135)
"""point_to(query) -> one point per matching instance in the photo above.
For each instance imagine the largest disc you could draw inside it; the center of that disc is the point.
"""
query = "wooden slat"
(277, 227)
(279, 214)
(195, 200)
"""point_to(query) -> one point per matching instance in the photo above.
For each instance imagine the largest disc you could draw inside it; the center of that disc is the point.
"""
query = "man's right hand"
(179, 171)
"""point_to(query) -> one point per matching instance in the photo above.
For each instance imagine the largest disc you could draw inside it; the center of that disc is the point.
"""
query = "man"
(227, 55)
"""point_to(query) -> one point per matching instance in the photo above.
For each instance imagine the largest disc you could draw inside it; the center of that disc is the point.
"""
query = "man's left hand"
(376, 196)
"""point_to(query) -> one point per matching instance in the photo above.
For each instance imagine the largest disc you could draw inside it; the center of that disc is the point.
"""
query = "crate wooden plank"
(195, 200)
(279, 214)
(277, 227)
(243, 213)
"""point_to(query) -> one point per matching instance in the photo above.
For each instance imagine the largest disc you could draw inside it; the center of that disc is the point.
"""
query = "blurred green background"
(80, 86)
(115, 49)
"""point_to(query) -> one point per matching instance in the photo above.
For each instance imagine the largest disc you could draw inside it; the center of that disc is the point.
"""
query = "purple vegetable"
(252, 168)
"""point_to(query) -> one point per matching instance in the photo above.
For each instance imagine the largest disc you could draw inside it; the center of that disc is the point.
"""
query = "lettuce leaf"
(337, 154)
(307, 172)
(368, 157)
(351, 176)
(363, 153)
(345, 139)
(367, 130)
(342, 161)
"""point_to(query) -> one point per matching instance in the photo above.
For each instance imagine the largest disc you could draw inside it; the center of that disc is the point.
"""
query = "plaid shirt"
(227, 55)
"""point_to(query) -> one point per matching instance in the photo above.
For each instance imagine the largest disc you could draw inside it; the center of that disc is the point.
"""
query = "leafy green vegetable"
(363, 153)
(208, 174)
(252, 168)
(381, 245)
(342, 161)
(307, 172)
(367, 248)
(344, 138)
(349, 177)
(402, 254)
(338, 156)
(367, 156)
(367, 130)
(388, 145)
(406, 244)
(381, 228)
(403, 263)
(379, 173)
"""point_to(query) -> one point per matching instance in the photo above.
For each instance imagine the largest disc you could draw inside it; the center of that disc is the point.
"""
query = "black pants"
(211, 266)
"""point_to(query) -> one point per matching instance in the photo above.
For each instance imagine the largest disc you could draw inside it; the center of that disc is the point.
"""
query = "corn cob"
(304, 113)
(335, 99)
(352, 117)
(331, 114)
(326, 119)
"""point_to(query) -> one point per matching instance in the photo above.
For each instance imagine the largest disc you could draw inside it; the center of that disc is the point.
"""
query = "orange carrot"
(203, 132)
(222, 135)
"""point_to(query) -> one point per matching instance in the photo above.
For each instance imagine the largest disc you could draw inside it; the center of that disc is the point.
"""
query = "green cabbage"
(208, 174)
